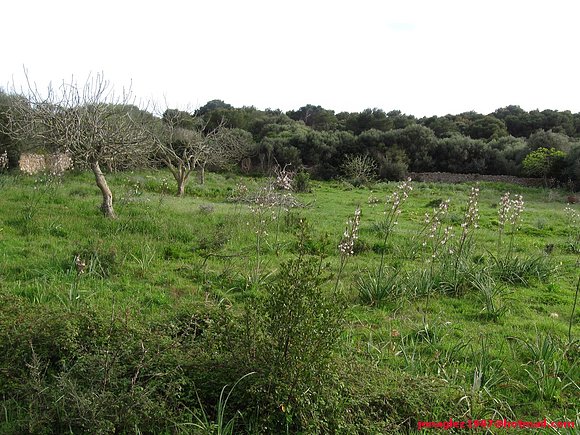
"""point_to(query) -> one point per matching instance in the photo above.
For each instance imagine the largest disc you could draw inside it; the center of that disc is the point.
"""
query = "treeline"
(509, 141)
(319, 139)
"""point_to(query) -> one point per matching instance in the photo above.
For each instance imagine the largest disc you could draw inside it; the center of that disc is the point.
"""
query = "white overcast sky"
(422, 57)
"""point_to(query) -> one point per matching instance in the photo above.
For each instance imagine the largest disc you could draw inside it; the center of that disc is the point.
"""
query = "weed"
(220, 426)
(491, 296)
(488, 374)
(144, 259)
(573, 218)
(573, 311)
(546, 367)
(520, 270)
(99, 261)
(301, 182)
(394, 208)
(373, 292)
(297, 327)
(346, 245)
(206, 208)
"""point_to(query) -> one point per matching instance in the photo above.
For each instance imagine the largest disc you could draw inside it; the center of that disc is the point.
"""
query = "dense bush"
(76, 370)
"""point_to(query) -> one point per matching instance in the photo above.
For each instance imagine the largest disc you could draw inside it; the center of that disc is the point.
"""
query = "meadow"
(243, 307)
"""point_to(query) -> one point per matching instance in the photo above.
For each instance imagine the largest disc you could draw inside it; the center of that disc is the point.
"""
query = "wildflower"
(399, 196)
(504, 209)
(373, 200)
(510, 210)
(573, 215)
(434, 221)
(79, 264)
(346, 245)
(433, 229)
(517, 207)
(447, 234)
(471, 217)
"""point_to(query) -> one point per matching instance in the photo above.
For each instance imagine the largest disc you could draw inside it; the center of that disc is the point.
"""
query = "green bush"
(296, 327)
(301, 182)
(82, 372)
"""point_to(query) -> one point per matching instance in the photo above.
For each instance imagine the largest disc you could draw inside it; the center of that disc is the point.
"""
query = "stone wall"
(56, 164)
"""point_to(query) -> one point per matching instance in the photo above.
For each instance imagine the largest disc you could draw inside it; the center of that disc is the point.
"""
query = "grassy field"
(232, 309)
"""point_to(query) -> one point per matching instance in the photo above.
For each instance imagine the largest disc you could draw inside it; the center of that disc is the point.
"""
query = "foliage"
(301, 182)
(145, 323)
(319, 138)
(549, 139)
(297, 327)
(544, 162)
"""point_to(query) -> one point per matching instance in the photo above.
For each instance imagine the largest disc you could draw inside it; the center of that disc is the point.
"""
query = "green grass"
(490, 341)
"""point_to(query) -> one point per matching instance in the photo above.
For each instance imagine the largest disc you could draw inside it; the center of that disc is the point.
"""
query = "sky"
(423, 57)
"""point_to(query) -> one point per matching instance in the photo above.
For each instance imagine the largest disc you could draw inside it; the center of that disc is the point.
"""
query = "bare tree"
(226, 147)
(90, 123)
(359, 169)
(184, 145)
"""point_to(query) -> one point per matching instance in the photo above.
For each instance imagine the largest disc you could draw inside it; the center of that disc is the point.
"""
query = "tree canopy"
(320, 140)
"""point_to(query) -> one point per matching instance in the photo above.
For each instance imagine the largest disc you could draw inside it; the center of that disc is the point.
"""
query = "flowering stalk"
(437, 236)
(284, 180)
(574, 221)
(80, 266)
(346, 245)
(504, 209)
(514, 218)
(470, 223)
(396, 200)
(509, 213)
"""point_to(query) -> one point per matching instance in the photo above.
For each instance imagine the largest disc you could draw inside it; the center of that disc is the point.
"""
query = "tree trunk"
(107, 205)
(181, 176)
(202, 175)
(181, 187)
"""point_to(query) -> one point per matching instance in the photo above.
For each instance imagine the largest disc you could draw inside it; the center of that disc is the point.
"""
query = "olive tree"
(90, 123)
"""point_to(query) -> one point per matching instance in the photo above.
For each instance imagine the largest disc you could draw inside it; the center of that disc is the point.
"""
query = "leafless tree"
(184, 145)
(359, 168)
(90, 123)
(226, 147)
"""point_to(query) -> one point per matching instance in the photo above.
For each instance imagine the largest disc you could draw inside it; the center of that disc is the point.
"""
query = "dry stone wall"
(54, 163)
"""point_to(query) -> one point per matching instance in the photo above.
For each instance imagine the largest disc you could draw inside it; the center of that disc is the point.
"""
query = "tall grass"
(138, 324)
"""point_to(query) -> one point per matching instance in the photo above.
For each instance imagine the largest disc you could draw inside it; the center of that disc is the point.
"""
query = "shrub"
(82, 372)
(359, 170)
(297, 327)
(301, 182)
